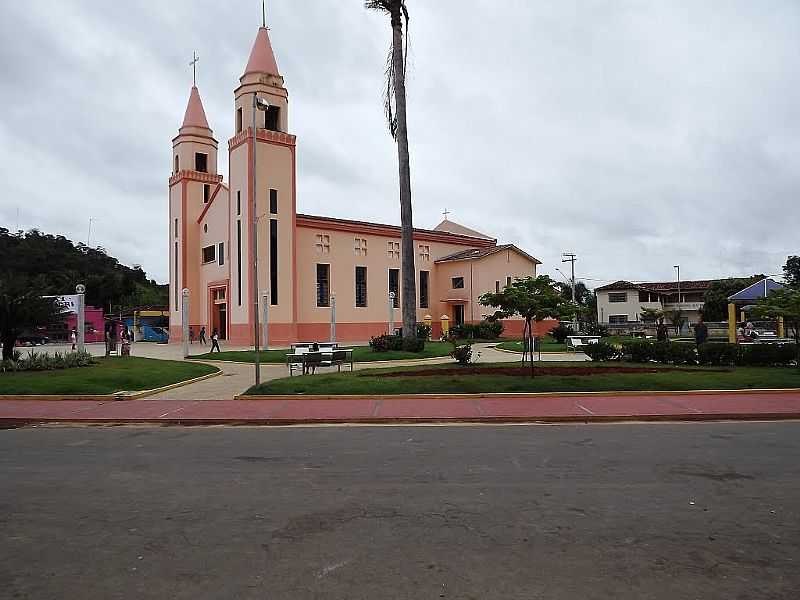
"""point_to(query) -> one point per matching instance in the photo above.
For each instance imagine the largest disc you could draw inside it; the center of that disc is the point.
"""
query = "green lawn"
(360, 354)
(110, 375)
(375, 381)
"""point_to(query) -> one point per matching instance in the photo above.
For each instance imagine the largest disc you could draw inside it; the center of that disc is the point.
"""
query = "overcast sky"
(636, 134)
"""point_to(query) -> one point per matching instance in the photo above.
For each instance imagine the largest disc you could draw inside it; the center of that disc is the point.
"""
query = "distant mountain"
(55, 265)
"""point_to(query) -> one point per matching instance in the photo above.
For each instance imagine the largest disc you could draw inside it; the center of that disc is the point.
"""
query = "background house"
(622, 302)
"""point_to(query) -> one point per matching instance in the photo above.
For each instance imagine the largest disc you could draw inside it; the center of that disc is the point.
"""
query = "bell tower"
(273, 157)
(193, 182)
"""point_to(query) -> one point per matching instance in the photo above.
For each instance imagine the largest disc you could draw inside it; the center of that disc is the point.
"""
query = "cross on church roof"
(445, 213)
(193, 64)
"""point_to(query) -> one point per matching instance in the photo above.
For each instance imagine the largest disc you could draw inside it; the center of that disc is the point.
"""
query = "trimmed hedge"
(709, 354)
(395, 343)
(485, 330)
(602, 351)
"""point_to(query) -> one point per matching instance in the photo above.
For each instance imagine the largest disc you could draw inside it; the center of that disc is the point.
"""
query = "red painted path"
(761, 405)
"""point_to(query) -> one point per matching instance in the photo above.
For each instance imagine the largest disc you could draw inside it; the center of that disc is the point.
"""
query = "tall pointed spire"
(195, 114)
(262, 58)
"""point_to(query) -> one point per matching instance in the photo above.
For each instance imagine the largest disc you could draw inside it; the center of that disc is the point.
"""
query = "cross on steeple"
(445, 213)
(263, 13)
(193, 64)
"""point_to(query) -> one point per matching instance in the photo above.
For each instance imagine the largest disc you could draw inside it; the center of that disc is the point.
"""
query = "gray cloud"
(638, 135)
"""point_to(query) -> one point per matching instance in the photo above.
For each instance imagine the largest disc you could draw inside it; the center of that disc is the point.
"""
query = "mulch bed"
(557, 371)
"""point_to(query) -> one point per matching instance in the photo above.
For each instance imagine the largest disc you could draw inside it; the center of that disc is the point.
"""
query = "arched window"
(177, 164)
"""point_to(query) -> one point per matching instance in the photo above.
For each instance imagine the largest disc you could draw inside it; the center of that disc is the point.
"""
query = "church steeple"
(262, 58)
(195, 113)
(194, 148)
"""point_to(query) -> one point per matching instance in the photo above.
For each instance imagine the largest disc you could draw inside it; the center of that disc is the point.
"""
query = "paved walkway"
(609, 407)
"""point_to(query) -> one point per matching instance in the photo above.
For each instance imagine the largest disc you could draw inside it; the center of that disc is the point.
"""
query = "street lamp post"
(678, 268)
(80, 289)
(265, 302)
(333, 317)
(391, 312)
(258, 104)
(185, 322)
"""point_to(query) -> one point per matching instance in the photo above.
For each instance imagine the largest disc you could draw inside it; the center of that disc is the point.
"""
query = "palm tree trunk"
(408, 270)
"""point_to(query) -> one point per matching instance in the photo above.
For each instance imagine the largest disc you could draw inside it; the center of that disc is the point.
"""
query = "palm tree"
(395, 108)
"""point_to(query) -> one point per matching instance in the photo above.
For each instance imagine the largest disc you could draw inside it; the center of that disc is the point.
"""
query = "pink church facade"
(304, 261)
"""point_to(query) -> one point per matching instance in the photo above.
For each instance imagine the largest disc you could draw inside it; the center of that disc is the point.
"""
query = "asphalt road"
(656, 511)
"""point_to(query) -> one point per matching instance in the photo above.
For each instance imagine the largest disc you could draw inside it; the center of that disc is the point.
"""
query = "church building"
(305, 263)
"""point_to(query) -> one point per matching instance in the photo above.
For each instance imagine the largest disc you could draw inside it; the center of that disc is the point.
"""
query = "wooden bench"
(576, 342)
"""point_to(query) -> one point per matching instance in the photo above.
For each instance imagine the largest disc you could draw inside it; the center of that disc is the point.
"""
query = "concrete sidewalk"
(500, 408)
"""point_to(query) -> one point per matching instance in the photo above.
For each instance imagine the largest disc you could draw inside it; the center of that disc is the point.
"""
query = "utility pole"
(569, 257)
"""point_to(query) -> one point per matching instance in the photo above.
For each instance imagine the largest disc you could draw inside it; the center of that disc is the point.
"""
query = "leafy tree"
(783, 303)
(651, 315)
(395, 108)
(533, 299)
(791, 271)
(23, 307)
(58, 265)
(716, 296)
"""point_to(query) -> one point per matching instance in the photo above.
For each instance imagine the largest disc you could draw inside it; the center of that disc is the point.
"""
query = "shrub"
(602, 351)
(463, 354)
(717, 354)
(639, 351)
(386, 343)
(561, 333)
(395, 343)
(765, 355)
(423, 331)
(596, 329)
(36, 361)
(682, 353)
(485, 330)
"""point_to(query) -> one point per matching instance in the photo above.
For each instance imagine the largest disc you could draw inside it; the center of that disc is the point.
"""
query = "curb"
(520, 395)
(119, 396)
(544, 420)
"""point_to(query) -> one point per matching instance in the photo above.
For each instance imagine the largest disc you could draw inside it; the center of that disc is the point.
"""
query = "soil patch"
(557, 371)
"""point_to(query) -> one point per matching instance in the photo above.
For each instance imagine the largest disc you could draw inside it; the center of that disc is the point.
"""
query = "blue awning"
(760, 289)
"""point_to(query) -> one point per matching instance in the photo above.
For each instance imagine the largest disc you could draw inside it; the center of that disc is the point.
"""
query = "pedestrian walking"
(73, 337)
(700, 332)
(215, 341)
(191, 335)
(662, 334)
(203, 335)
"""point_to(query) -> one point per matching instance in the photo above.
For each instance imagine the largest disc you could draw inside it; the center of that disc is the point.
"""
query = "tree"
(677, 318)
(791, 271)
(651, 315)
(534, 299)
(395, 108)
(23, 307)
(715, 307)
(58, 265)
(585, 299)
(783, 303)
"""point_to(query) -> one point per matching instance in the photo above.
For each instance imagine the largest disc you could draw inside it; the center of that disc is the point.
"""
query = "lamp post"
(265, 302)
(263, 105)
(80, 289)
(185, 321)
(678, 269)
(333, 317)
(391, 312)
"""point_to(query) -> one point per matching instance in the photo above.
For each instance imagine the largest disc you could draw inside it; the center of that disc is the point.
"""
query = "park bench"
(576, 342)
(307, 362)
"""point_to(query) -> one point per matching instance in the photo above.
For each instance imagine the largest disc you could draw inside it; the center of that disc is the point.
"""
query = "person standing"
(73, 338)
(191, 335)
(203, 335)
(662, 335)
(215, 341)
(700, 332)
